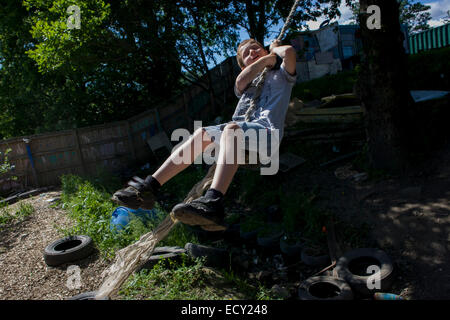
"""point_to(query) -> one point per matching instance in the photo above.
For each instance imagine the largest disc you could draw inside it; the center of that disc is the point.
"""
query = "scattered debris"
(23, 195)
(386, 296)
(289, 161)
(346, 172)
(280, 291)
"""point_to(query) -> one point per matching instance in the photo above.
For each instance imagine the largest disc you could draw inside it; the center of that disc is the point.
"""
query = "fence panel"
(47, 156)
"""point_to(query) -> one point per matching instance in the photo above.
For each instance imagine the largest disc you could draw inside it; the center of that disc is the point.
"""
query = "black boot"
(140, 194)
(206, 212)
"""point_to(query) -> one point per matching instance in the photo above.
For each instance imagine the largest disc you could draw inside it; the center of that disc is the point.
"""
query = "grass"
(88, 204)
(189, 280)
(23, 211)
(180, 185)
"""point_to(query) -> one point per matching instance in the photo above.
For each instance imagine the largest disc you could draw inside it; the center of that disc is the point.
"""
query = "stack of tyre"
(359, 273)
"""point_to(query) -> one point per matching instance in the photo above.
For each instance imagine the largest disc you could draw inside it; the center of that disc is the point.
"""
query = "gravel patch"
(24, 274)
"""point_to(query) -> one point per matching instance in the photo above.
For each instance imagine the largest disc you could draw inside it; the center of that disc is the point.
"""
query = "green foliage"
(248, 189)
(188, 280)
(300, 214)
(429, 70)
(58, 44)
(5, 166)
(252, 223)
(91, 209)
(89, 205)
(413, 14)
(269, 229)
(5, 216)
(245, 287)
(173, 282)
(182, 183)
(23, 211)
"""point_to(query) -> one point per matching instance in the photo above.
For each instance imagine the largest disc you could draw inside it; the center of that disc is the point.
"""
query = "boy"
(207, 211)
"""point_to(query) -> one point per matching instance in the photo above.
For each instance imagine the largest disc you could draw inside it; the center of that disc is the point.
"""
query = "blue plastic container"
(121, 217)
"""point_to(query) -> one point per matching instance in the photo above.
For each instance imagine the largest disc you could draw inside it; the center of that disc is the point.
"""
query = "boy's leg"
(169, 168)
(225, 171)
(207, 211)
(141, 193)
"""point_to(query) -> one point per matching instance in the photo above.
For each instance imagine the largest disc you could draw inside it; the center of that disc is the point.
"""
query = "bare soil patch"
(24, 274)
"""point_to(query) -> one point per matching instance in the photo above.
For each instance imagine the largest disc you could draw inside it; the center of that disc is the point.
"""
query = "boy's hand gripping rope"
(262, 76)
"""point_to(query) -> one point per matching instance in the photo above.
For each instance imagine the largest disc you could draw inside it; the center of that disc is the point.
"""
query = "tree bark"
(256, 26)
(383, 89)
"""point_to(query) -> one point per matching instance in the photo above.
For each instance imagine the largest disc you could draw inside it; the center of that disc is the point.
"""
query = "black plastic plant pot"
(310, 258)
(293, 250)
(163, 253)
(248, 235)
(270, 241)
(325, 288)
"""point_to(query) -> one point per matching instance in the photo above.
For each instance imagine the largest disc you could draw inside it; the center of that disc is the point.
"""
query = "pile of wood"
(344, 108)
(340, 118)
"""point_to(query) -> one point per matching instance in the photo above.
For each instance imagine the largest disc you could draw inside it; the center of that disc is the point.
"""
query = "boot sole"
(146, 205)
(195, 219)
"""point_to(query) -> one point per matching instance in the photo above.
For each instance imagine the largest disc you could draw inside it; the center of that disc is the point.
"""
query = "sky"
(438, 11)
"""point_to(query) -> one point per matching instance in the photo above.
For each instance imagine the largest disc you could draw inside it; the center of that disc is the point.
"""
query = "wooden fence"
(41, 159)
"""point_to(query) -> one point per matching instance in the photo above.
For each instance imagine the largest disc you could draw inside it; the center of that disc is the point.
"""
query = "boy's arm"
(287, 53)
(249, 73)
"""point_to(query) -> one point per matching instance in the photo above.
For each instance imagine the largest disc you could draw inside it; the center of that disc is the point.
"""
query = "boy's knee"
(232, 126)
(203, 135)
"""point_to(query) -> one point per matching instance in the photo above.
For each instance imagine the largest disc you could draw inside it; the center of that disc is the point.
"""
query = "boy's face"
(251, 52)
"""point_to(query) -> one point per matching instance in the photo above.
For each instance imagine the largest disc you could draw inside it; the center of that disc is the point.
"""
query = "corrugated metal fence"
(46, 157)
(437, 37)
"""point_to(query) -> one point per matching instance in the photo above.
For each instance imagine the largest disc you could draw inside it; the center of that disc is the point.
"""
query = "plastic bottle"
(387, 296)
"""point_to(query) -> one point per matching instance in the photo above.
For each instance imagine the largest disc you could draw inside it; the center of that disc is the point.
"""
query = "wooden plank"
(130, 140)
(78, 149)
(331, 111)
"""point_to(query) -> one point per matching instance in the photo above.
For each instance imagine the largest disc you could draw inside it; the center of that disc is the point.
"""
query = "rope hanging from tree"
(262, 76)
(135, 255)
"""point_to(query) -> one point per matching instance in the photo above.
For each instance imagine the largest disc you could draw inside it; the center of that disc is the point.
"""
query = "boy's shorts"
(251, 144)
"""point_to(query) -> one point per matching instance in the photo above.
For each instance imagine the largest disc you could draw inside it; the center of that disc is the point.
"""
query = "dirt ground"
(408, 216)
(24, 274)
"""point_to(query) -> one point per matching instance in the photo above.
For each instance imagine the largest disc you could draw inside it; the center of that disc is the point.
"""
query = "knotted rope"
(262, 77)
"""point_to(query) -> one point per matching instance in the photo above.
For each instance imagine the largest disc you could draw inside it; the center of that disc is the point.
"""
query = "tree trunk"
(256, 26)
(383, 89)
(205, 64)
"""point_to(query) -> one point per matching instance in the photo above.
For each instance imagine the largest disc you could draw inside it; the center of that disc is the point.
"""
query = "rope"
(262, 76)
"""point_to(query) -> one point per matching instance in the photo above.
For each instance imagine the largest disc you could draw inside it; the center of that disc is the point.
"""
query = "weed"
(90, 206)
(176, 282)
(5, 216)
(180, 185)
(251, 223)
(23, 211)
(300, 214)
